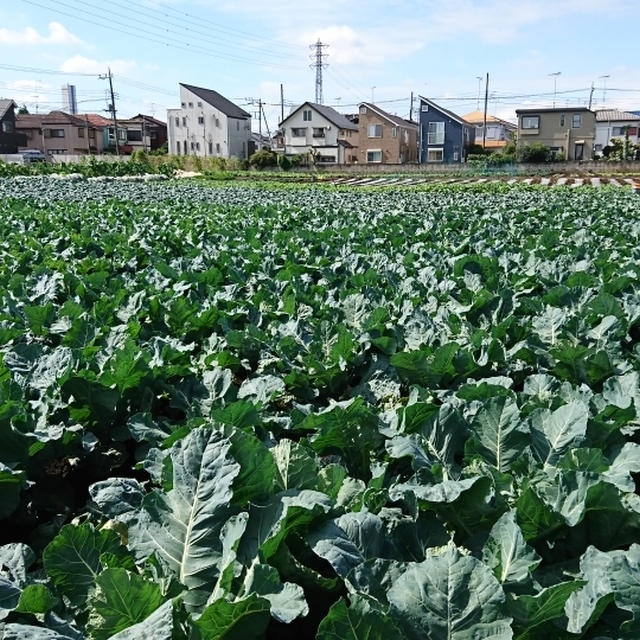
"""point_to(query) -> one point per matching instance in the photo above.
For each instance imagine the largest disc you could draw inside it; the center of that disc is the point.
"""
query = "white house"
(328, 135)
(610, 123)
(207, 124)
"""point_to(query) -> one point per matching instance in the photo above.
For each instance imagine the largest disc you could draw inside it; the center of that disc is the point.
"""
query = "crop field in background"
(245, 413)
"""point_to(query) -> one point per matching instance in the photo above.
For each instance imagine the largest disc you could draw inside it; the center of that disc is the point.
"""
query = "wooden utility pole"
(591, 96)
(484, 119)
(411, 109)
(260, 123)
(281, 103)
(112, 108)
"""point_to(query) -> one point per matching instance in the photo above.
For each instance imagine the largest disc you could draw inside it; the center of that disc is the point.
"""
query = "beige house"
(58, 133)
(327, 135)
(385, 138)
(568, 132)
(498, 131)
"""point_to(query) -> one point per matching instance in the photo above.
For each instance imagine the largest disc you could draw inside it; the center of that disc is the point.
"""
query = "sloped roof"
(97, 120)
(5, 105)
(453, 116)
(218, 101)
(401, 122)
(138, 118)
(329, 113)
(615, 115)
(477, 117)
(28, 120)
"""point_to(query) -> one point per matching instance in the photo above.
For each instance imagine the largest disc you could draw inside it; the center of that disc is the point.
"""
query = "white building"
(322, 131)
(207, 124)
(611, 123)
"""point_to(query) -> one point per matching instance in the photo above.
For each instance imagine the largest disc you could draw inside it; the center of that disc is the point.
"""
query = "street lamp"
(555, 75)
(604, 87)
(479, 79)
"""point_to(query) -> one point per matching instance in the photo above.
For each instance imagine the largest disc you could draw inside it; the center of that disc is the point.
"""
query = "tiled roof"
(453, 116)
(218, 101)
(329, 113)
(401, 122)
(614, 115)
(97, 120)
(5, 105)
(477, 117)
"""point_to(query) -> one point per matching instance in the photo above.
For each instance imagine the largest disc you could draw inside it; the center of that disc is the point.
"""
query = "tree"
(263, 159)
(23, 110)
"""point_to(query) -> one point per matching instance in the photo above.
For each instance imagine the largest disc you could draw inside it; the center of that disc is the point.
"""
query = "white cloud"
(58, 35)
(81, 64)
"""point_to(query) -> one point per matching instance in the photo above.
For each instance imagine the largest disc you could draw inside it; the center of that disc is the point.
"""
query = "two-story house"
(612, 123)
(497, 134)
(385, 138)
(106, 133)
(144, 133)
(444, 136)
(321, 131)
(568, 132)
(58, 133)
(10, 139)
(208, 124)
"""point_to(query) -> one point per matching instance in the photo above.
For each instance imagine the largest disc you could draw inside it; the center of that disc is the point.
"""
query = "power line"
(137, 34)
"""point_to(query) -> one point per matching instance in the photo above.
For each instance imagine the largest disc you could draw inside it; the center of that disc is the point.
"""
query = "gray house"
(10, 140)
(444, 136)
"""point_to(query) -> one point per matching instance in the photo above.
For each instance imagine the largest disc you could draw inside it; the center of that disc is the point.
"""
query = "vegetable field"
(245, 413)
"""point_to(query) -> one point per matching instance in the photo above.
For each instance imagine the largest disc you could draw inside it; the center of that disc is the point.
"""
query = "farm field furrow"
(260, 412)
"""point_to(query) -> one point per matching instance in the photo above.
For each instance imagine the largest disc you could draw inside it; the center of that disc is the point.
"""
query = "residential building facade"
(106, 137)
(497, 134)
(208, 124)
(328, 136)
(10, 138)
(144, 133)
(58, 133)
(385, 138)
(444, 136)
(567, 132)
(612, 123)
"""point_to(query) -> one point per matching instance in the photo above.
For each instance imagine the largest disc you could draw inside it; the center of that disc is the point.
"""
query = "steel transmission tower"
(318, 66)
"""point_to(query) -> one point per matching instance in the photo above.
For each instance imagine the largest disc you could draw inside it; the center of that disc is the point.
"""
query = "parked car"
(32, 155)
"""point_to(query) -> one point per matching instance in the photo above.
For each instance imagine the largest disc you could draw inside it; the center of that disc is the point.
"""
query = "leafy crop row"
(247, 413)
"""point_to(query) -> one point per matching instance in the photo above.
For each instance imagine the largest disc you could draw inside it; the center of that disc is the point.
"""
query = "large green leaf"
(222, 620)
(72, 558)
(158, 626)
(359, 621)
(450, 596)
(192, 527)
(11, 483)
(122, 600)
(500, 434)
(297, 466)
(507, 554)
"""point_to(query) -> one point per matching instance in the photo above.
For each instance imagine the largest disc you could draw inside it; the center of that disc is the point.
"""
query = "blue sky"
(381, 49)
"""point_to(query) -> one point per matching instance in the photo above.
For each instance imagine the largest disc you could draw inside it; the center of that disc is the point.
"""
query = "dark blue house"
(444, 136)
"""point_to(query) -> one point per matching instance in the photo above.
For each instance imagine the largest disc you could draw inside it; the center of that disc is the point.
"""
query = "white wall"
(304, 144)
(604, 133)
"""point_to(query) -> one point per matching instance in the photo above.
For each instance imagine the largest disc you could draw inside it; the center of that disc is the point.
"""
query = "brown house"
(58, 133)
(385, 138)
(144, 133)
(10, 139)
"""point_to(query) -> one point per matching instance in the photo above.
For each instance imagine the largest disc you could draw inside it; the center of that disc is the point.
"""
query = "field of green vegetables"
(258, 413)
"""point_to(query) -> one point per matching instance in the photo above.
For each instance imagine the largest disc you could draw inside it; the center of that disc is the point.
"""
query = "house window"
(530, 122)
(80, 132)
(616, 131)
(374, 131)
(197, 146)
(210, 147)
(184, 121)
(237, 125)
(134, 135)
(394, 132)
(318, 132)
(8, 127)
(576, 121)
(363, 109)
(92, 134)
(306, 115)
(184, 146)
(177, 121)
(200, 119)
(218, 147)
(424, 108)
(183, 104)
(562, 120)
(191, 105)
(199, 103)
(435, 155)
(374, 155)
(435, 133)
(55, 133)
(298, 132)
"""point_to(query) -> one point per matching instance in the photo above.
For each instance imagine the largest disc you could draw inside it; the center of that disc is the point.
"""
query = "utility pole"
(484, 119)
(411, 109)
(112, 108)
(318, 65)
(479, 79)
(281, 103)
(266, 124)
(591, 96)
(260, 123)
